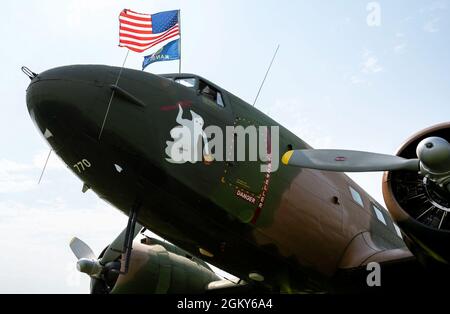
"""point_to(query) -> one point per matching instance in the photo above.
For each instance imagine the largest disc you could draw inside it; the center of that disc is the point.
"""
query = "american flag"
(139, 32)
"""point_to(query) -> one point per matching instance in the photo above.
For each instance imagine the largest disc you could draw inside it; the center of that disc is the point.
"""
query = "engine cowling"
(420, 206)
(156, 267)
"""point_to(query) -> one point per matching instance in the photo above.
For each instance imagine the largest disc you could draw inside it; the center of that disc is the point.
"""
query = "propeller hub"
(434, 155)
(89, 266)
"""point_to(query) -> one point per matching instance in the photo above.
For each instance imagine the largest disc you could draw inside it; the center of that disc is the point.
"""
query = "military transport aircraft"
(305, 227)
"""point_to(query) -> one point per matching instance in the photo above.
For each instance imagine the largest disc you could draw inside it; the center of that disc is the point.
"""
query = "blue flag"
(167, 53)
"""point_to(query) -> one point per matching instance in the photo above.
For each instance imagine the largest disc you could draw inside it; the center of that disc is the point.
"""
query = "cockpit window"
(220, 100)
(211, 93)
(188, 82)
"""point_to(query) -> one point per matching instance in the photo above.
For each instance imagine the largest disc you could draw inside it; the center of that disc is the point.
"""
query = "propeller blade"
(114, 250)
(347, 161)
(81, 249)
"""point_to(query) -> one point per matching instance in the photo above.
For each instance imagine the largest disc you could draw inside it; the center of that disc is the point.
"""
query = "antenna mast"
(265, 77)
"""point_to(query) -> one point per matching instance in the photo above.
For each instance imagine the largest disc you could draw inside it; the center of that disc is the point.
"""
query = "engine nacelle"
(156, 268)
(420, 207)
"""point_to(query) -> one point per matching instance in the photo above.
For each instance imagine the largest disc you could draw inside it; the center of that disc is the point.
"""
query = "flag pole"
(179, 42)
(112, 94)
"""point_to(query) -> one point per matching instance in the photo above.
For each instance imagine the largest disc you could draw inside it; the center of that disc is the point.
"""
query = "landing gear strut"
(129, 236)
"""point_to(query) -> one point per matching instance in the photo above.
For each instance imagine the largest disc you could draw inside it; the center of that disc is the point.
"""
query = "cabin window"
(220, 100)
(356, 196)
(188, 82)
(211, 94)
(379, 214)
(397, 229)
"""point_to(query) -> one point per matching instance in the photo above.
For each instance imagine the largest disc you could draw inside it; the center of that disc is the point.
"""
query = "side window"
(399, 232)
(356, 196)
(379, 214)
(188, 82)
(212, 94)
(220, 100)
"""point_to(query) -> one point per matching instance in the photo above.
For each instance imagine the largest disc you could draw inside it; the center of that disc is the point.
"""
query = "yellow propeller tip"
(286, 157)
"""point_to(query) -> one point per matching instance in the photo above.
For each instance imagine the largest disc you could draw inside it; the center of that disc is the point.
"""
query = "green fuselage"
(229, 209)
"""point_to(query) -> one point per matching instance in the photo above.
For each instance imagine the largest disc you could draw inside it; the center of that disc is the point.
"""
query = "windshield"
(188, 82)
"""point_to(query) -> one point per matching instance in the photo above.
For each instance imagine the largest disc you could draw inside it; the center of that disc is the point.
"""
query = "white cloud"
(368, 66)
(355, 79)
(44, 229)
(18, 177)
(400, 43)
(370, 63)
(437, 6)
(433, 8)
(54, 162)
(14, 183)
(15, 177)
(298, 118)
(13, 166)
(431, 26)
(78, 10)
(36, 237)
(399, 48)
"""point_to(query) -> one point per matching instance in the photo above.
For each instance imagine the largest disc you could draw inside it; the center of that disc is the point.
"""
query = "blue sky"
(337, 83)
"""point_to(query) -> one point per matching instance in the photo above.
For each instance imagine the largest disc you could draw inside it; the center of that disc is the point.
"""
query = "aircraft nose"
(63, 97)
(39, 97)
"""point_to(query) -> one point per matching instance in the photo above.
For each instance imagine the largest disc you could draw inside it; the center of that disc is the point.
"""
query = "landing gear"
(129, 236)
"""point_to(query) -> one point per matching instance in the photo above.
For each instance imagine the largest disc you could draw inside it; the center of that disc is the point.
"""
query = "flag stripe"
(136, 18)
(139, 38)
(135, 31)
(147, 44)
(149, 39)
(135, 48)
(140, 25)
(145, 29)
(133, 36)
(135, 14)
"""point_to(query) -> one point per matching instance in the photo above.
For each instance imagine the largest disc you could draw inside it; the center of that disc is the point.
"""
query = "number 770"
(82, 165)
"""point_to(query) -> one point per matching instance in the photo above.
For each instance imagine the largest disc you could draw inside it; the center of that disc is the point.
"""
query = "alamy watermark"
(374, 17)
(374, 277)
(193, 143)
